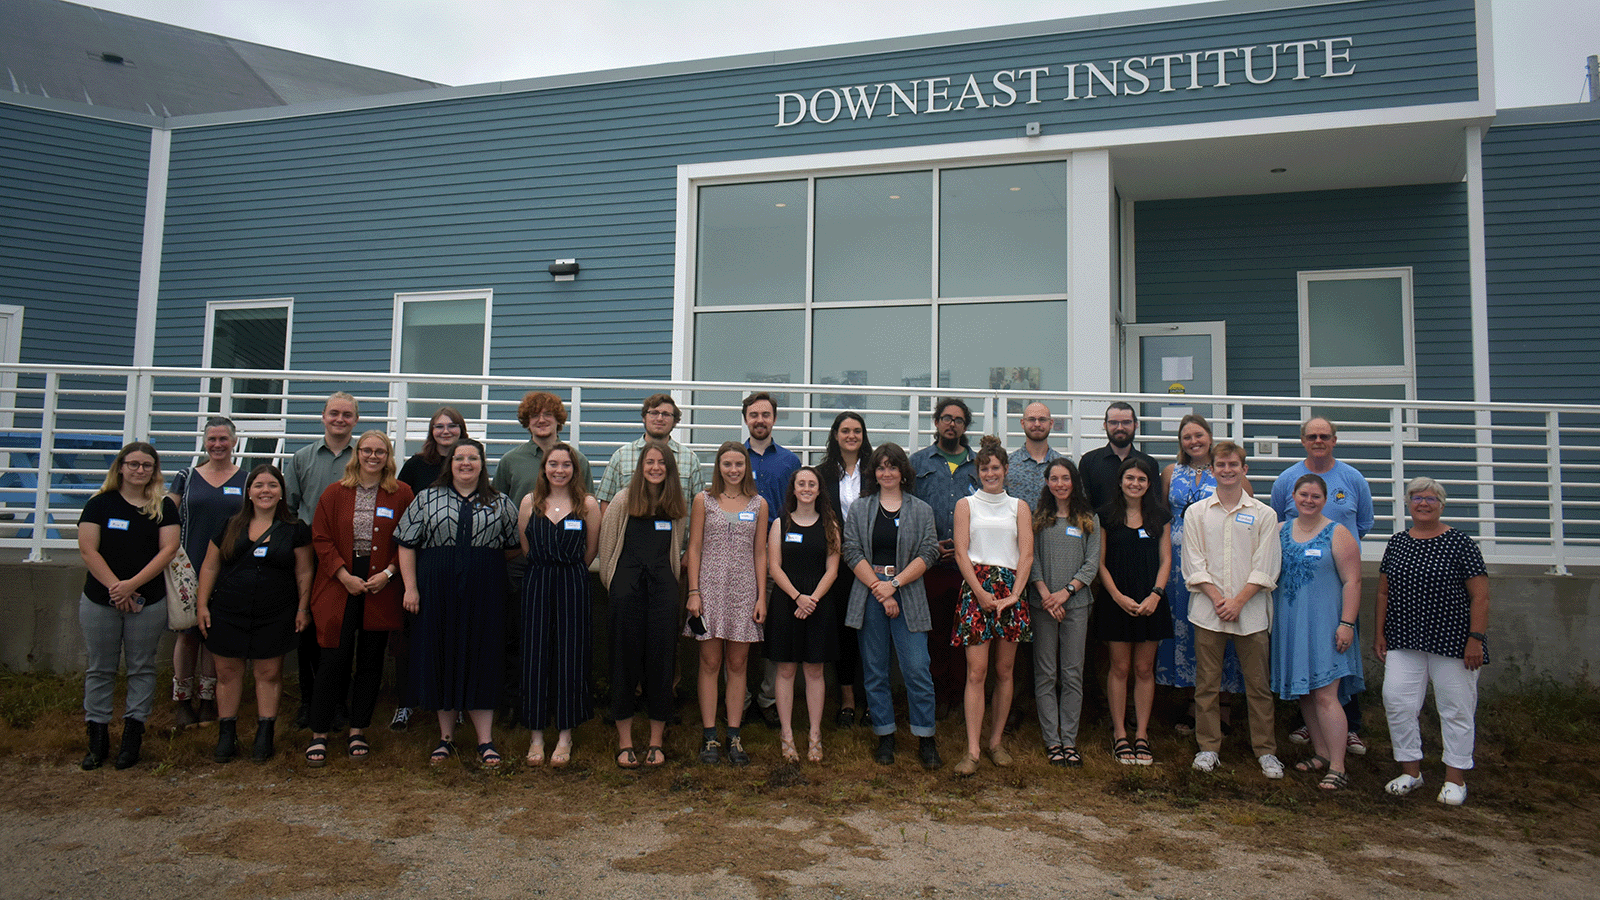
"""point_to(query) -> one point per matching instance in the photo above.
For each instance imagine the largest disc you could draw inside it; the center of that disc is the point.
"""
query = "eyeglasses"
(374, 451)
(660, 414)
(1318, 437)
(951, 420)
(1426, 501)
(139, 466)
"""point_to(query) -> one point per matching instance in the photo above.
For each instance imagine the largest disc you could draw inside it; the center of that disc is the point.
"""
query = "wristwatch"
(895, 583)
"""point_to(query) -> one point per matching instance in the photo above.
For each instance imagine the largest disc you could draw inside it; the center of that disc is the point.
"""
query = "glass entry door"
(1180, 359)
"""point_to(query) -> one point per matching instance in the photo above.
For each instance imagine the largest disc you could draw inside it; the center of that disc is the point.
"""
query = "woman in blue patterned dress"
(1187, 481)
(1313, 625)
(560, 527)
(454, 540)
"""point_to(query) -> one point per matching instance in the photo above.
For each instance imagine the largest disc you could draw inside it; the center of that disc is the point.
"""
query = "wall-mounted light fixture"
(564, 269)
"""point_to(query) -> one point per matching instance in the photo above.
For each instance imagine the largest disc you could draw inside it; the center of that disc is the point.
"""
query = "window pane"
(1003, 230)
(443, 337)
(1007, 346)
(1335, 305)
(1344, 414)
(751, 245)
(758, 347)
(250, 338)
(874, 237)
(885, 346)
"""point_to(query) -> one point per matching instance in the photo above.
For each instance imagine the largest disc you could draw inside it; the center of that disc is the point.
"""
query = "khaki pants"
(1253, 664)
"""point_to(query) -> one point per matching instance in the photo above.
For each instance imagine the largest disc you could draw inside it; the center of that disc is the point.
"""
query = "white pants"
(1455, 695)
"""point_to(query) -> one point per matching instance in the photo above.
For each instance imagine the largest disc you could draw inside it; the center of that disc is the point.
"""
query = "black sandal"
(488, 757)
(357, 747)
(1123, 751)
(655, 757)
(1073, 759)
(444, 751)
(317, 753)
(1314, 763)
(1056, 754)
(1334, 781)
(627, 758)
(1141, 752)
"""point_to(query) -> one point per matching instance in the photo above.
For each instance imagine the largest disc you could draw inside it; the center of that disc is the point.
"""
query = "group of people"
(955, 558)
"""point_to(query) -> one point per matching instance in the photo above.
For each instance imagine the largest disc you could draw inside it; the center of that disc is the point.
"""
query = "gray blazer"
(917, 539)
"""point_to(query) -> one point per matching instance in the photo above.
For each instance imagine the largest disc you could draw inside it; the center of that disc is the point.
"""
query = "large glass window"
(252, 334)
(1003, 230)
(874, 237)
(751, 244)
(442, 334)
(1003, 346)
(1356, 339)
(764, 347)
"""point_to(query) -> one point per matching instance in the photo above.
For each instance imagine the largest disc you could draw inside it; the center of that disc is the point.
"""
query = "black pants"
(355, 643)
(644, 639)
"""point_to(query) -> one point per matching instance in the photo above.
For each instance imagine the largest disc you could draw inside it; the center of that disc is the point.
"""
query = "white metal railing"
(1524, 479)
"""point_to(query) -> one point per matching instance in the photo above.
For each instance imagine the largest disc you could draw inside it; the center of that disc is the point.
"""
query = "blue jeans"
(109, 635)
(877, 631)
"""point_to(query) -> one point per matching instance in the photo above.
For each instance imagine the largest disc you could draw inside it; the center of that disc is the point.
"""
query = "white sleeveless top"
(993, 529)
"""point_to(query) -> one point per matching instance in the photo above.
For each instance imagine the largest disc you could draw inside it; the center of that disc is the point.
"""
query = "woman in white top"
(994, 541)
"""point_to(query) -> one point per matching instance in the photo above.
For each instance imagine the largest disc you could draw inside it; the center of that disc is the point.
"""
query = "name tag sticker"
(261, 552)
(1143, 533)
(117, 524)
(231, 491)
(573, 524)
(747, 516)
(793, 537)
(1245, 519)
(897, 521)
(663, 524)
(384, 512)
(1074, 531)
(1313, 551)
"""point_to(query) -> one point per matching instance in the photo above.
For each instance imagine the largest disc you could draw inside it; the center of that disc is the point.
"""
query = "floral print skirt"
(974, 625)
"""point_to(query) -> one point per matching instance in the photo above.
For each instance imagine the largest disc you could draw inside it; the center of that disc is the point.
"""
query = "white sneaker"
(1205, 761)
(1404, 784)
(1270, 766)
(1453, 794)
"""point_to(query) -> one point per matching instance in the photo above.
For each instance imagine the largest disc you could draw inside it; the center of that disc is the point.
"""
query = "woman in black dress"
(842, 473)
(1130, 607)
(802, 627)
(454, 541)
(255, 594)
(560, 527)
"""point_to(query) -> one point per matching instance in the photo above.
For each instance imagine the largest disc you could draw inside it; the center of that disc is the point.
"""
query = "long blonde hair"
(352, 469)
(154, 492)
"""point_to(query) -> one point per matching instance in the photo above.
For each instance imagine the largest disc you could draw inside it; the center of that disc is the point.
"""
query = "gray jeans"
(1058, 673)
(109, 634)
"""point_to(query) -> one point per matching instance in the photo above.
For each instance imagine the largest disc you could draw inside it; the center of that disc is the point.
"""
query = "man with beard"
(1099, 467)
(946, 472)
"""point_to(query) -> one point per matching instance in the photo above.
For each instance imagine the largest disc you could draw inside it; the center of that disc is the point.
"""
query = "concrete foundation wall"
(1539, 625)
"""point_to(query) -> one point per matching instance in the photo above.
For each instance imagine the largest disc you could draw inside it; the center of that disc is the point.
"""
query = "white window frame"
(1319, 376)
(10, 353)
(399, 391)
(257, 426)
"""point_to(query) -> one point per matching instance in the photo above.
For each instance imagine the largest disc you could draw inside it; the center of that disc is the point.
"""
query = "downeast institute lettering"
(1163, 73)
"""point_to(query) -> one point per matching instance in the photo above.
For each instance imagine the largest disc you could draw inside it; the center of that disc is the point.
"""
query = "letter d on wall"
(783, 109)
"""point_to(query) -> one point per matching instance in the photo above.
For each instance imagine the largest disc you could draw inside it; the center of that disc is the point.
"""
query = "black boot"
(262, 751)
(132, 742)
(227, 740)
(99, 745)
(884, 755)
(928, 751)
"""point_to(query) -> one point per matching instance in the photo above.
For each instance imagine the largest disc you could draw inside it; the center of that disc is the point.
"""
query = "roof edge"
(1548, 115)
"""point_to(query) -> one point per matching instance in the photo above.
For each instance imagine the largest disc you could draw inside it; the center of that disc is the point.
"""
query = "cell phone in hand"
(697, 626)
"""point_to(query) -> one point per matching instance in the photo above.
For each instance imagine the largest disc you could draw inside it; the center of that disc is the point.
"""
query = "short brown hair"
(655, 400)
(894, 455)
(536, 402)
(1228, 448)
(757, 397)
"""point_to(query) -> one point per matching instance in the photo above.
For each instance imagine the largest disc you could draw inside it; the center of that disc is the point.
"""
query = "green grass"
(24, 697)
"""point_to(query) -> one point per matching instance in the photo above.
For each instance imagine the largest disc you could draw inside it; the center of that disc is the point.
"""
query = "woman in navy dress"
(560, 527)
(454, 540)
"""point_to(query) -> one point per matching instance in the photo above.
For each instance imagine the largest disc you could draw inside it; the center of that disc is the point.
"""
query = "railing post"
(1558, 544)
(575, 418)
(1482, 439)
(47, 465)
(1397, 466)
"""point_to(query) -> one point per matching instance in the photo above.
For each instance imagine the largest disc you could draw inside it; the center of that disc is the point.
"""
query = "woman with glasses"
(420, 472)
(127, 534)
(207, 495)
(355, 601)
(1433, 616)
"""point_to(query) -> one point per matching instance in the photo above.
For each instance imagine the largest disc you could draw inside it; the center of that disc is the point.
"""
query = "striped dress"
(556, 624)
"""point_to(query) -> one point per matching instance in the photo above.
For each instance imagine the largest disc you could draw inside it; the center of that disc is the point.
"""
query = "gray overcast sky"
(1540, 45)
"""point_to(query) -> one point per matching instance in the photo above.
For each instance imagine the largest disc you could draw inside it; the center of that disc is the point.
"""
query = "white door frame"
(1133, 361)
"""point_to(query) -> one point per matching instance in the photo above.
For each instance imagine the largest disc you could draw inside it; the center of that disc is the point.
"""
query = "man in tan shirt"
(1231, 557)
